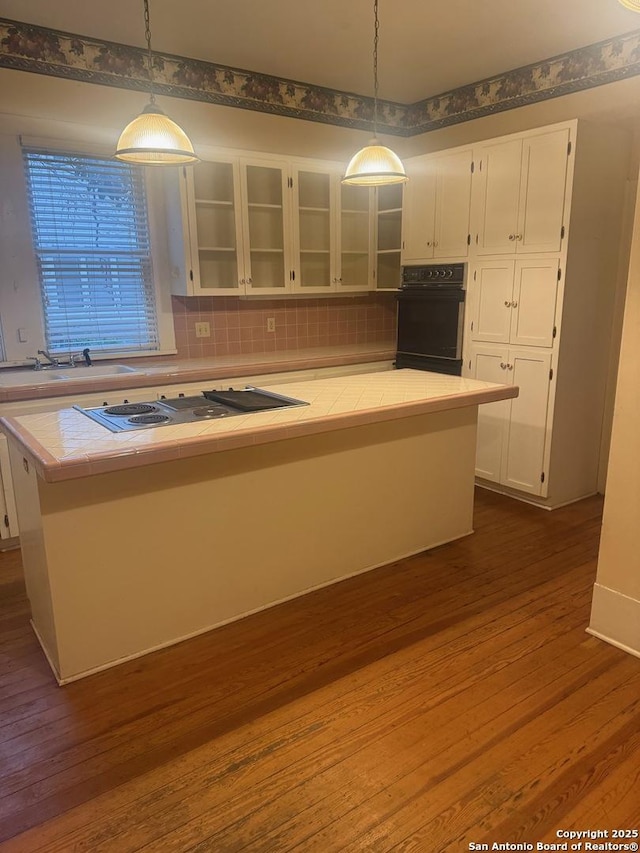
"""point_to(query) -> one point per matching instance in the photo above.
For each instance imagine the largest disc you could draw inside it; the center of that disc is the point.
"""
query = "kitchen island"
(136, 540)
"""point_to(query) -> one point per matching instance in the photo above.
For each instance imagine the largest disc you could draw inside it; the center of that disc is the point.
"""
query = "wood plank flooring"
(450, 698)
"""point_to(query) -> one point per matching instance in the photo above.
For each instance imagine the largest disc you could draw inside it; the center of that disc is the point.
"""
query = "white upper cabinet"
(519, 194)
(388, 236)
(437, 206)
(514, 301)
(354, 235)
(266, 200)
(209, 260)
(314, 230)
(332, 232)
(269, 226)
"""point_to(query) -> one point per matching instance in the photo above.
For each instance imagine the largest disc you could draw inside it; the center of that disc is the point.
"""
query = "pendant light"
(375, 165)
(152, 139)
(634, 5)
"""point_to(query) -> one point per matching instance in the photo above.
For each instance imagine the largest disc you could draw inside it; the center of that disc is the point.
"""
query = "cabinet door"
(418, 222)
(499, 193)
(266, 226)
(542, 192)
(388, 236)
(534, 303)
(492, 289)
(453, 202)
(217, 258)
(523, 452)
(314, 231)
(353, 239)
(490, 365)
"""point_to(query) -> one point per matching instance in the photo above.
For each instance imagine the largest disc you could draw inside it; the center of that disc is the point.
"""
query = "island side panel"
(141, 558)
(34, 556)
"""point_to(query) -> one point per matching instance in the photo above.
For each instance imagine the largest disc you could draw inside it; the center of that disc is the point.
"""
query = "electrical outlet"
(271, 324)
(203, 330)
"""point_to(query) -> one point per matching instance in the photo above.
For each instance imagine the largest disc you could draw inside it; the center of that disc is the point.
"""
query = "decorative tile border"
(26, 47)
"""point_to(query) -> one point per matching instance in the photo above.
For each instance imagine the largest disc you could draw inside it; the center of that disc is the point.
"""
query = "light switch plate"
(203, 330)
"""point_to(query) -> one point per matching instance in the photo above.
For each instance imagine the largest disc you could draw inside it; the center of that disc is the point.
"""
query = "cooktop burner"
(211, 412)
(149, 419)
(130, 409)
(209, 405)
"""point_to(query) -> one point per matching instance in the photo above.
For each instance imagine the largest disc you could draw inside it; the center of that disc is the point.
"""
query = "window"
(91, 238)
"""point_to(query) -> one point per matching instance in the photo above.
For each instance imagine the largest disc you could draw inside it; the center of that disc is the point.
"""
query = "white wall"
(616, 600)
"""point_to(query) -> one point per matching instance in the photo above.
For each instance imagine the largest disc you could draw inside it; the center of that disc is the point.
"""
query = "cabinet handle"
(435, 242)
(507, 304)
(512, 236)
(518, 236)
(503, 365)
(514, 304)
(509, 367)
(243, 281)
(340, 279)
(429, 243)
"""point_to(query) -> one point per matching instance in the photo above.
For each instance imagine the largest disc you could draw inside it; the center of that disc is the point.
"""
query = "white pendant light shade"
(152, 139)
(634, 5)
(374, 166)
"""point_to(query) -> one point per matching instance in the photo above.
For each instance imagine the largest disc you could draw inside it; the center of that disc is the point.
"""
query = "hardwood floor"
(450, 698)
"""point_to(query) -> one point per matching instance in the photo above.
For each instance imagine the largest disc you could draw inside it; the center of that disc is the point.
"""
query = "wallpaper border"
(26, 47)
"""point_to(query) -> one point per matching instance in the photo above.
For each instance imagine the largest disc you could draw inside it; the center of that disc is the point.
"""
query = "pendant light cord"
(375, 67)
(147, 35)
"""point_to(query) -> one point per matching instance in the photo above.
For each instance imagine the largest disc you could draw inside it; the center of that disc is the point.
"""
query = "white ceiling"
(426, 46)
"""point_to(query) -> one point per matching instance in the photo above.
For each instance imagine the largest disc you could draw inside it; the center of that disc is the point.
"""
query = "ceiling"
(426, 48)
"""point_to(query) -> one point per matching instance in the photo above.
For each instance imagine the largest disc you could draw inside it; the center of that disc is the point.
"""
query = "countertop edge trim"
(53, 470)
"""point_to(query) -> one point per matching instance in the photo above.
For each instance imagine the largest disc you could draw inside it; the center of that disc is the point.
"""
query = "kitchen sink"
(28, 376)
(95, 370)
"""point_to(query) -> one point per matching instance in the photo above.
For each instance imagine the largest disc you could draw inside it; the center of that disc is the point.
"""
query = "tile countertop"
(157, 371)
(66, 444)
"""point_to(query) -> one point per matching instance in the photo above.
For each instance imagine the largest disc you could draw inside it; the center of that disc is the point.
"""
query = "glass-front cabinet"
(266, 195)
(355, 235)
(268, 226)
(212, 202)
(332, 230)
(388, 236)
(314, 238)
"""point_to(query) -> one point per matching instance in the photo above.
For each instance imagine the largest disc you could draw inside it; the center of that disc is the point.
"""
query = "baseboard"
(615, 618)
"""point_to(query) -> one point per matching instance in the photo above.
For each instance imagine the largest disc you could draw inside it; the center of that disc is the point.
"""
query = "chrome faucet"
(73, 358)
(53, 361)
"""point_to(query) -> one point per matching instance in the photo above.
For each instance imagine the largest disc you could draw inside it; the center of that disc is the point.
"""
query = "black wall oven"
(431, 317)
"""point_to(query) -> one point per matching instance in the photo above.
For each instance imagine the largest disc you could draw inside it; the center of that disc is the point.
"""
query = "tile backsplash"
(240, 325)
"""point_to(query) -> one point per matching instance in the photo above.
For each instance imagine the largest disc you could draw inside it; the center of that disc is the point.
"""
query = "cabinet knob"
(509, 367)
(503, 365)
(507, 304)
(340, 279)
(435, 243)
(249, 281)
(429, 243)
(243, 281)
(514, 304)
(512, 236)
(518, 236)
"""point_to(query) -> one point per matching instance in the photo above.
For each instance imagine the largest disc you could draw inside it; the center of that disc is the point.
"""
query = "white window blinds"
(91, 238)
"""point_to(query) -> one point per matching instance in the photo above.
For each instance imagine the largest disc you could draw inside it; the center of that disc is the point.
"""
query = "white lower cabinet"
(512, 434)
(9, 519)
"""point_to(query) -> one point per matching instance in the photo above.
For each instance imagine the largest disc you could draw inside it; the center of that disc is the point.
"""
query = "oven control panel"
(434, 275)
